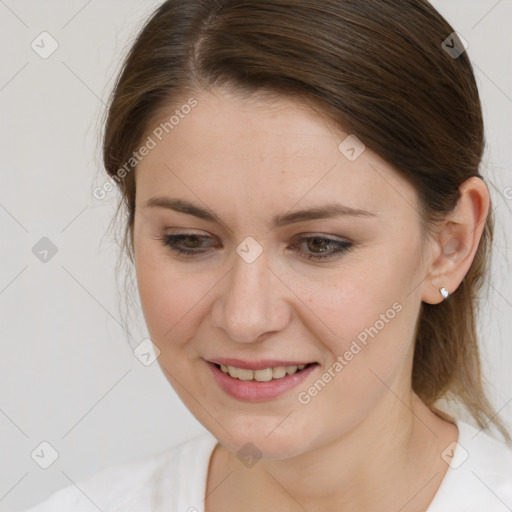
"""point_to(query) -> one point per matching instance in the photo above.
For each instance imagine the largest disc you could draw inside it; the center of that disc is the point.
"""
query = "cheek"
(372, 284)
(367, 327)
(172, 297)
(362, 318)
(162, 293)
(372, 352)
(367, 358)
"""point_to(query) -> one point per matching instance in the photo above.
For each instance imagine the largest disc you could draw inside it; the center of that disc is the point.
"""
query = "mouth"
(263, 374)
(266, 380)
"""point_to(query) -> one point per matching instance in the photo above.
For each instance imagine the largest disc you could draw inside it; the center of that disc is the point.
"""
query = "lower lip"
(254, 391)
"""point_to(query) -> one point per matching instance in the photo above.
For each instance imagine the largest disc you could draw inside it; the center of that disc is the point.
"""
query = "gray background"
(67, 373)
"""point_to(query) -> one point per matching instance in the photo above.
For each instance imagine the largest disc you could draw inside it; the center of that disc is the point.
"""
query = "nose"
(252, 302)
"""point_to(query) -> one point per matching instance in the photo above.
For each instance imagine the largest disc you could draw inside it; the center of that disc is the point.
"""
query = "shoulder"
(491, 456)
(148, 483)
(479, 476)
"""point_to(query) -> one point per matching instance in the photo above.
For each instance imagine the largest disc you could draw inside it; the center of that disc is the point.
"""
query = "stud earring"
(444, 293)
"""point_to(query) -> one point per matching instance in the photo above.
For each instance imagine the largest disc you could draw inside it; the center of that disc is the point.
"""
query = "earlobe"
(458, 238)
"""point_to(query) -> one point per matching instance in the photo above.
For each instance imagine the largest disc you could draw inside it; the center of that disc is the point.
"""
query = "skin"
(366, 441)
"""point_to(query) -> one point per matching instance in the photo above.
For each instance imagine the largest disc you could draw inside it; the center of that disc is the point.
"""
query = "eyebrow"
(326, 211)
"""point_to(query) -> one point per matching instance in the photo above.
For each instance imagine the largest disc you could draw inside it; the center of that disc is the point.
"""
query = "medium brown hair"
(377, 69)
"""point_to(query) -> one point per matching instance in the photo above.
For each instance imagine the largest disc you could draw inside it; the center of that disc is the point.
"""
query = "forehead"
(267, 150)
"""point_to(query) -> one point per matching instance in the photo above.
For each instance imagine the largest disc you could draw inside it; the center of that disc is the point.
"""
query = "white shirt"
(479, 479)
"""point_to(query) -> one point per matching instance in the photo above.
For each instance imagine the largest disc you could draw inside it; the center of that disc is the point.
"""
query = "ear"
(457, 241)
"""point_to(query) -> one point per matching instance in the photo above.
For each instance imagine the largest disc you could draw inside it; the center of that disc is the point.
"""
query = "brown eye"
(189, 244)
(318, 244)
(318, 247)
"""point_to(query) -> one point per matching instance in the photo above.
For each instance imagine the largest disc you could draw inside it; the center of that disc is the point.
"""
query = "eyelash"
(172, 241)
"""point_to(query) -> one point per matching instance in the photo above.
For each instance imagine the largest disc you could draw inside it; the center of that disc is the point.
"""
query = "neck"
(386, 462)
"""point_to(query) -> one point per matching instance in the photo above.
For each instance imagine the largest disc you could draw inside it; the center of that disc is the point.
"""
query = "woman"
(309, 231)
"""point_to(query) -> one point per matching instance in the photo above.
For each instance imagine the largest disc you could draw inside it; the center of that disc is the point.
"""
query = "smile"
(263, 375)
(267, 381)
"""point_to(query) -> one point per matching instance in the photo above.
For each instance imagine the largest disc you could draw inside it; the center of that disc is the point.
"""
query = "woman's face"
(249, 296)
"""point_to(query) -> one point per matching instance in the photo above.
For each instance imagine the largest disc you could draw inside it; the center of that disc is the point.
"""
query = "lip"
(257, 365)
(253, 391)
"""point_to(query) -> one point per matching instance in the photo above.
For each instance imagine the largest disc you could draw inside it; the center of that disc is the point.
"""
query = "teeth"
(279, 372)
(263, 375)
(242, 374)
(291, 369)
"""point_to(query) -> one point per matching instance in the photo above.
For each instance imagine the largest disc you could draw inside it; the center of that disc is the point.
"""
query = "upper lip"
(256, 365)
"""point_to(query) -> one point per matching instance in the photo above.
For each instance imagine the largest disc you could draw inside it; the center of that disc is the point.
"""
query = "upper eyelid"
(306, 234)
(342, 242)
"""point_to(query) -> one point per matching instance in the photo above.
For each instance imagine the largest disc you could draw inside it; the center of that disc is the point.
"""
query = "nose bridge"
(249, 305)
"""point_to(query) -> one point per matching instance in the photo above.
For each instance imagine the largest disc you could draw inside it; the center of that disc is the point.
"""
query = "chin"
(265, 441)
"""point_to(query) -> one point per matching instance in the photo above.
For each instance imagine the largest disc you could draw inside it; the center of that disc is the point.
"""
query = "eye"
(188, 244)
(316, 247)
(321, 247)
